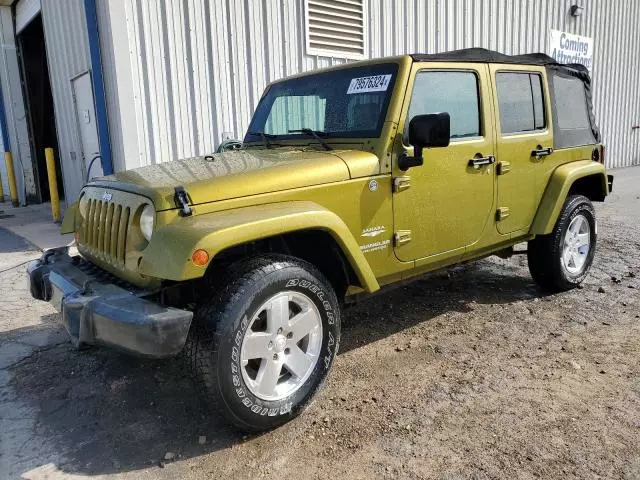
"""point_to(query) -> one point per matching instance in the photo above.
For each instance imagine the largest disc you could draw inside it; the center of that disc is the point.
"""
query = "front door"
(524, 144)
(445, 205)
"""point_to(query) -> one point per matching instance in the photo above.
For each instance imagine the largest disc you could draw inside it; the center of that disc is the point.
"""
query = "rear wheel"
(264, 343)
(561, 260)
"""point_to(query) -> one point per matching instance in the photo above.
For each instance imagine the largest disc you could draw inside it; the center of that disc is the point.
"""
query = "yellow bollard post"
(11, 176)
(1, 191)
(53, 184)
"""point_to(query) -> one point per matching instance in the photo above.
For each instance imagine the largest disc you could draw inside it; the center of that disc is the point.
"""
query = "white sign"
(376, 83)
(569, 48)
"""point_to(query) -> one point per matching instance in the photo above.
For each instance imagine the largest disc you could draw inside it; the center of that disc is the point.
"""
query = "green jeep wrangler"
(348, 179)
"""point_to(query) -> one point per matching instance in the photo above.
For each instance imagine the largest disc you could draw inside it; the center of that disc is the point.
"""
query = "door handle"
(540, 152)
(479, 161)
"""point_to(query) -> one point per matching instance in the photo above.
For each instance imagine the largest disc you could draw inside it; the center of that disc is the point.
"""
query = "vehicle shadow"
(12, 243)
(431, 295)
(105, 412)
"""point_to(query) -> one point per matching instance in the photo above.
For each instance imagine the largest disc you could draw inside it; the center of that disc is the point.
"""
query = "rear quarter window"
(572, 123)
(571, 103)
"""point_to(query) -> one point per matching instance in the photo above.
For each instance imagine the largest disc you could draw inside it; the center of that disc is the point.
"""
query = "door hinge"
(401, 183)
(502, 213)
(504, 167)
(401, 237)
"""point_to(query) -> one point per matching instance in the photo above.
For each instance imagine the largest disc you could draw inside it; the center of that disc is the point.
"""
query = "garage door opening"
(39, 103)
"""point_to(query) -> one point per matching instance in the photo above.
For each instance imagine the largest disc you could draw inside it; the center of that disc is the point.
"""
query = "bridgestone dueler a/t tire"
(545, 251)
(220, 324)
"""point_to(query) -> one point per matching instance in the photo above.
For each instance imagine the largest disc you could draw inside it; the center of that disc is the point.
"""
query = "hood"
(241, 173)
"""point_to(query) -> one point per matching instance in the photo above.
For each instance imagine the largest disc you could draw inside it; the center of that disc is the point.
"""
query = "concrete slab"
(14, 251)
(34, 223)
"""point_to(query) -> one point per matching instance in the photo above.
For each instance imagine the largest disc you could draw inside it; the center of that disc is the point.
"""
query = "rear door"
(524, 143)
(445, 205)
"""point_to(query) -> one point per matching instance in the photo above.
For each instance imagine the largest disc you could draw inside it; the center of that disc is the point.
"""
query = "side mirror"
(431, 130)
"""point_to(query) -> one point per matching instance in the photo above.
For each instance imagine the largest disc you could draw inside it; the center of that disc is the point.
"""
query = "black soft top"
(482, 55)
(574, 70)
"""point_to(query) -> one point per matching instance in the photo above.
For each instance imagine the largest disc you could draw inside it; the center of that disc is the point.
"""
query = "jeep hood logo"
(106, 196)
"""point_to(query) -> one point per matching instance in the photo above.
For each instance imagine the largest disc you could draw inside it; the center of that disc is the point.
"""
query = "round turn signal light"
(200, 257)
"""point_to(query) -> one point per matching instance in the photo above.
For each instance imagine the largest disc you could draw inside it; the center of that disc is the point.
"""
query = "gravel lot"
(468, 373)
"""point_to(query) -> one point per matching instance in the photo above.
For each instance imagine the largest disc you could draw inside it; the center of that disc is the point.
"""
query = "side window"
(453, 92)
(521, 102)
(571, 103)
(572, 122)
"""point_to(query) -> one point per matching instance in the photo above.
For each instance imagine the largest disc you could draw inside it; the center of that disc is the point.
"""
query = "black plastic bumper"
(95, 312)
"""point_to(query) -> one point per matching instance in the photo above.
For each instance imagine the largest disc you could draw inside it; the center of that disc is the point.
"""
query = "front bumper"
(99, 312)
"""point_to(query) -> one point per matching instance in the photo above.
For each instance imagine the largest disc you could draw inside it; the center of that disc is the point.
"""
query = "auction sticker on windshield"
(375, 83)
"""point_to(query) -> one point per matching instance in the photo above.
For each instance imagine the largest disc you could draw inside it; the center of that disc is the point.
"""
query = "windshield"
(342, 103)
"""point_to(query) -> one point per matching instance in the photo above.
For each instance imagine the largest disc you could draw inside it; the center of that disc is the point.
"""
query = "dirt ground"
(468, 373)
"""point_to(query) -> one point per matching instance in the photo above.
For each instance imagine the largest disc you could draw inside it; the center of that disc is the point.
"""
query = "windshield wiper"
(265, 138)
(315, 134)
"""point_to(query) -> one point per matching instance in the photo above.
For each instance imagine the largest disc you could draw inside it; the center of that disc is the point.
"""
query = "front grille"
(105, 228)
(102, 276)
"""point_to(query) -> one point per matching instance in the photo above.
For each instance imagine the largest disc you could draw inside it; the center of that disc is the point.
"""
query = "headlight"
(147, 219)
(82, 205)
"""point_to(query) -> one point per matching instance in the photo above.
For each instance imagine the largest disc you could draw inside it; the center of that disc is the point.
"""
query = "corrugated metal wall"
(191, 72)
(197, 70)
(65, 33)
(15, 112)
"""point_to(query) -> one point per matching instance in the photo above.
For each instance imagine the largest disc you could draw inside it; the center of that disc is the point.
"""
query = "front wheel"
(561, 260)
(265, 341)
